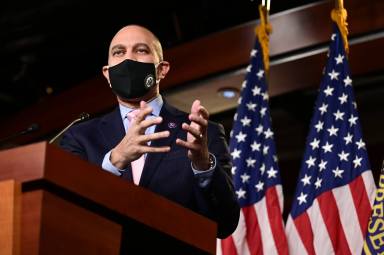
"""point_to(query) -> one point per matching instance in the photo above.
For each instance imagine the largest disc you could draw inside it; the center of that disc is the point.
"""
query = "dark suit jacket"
(168, 174)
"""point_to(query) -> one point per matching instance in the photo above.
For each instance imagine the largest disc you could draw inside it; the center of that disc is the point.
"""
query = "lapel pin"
(171, 124)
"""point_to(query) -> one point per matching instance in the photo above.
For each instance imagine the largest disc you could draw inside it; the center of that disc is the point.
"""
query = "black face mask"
(131, 79)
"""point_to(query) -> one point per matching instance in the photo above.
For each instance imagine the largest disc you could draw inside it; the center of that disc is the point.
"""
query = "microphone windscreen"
(33, 127)
(84, 116)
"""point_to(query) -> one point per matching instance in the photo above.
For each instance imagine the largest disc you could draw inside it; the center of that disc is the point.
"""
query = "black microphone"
(33, 127)
(83, 116)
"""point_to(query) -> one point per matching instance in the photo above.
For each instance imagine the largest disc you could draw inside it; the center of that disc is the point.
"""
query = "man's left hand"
(197, 136)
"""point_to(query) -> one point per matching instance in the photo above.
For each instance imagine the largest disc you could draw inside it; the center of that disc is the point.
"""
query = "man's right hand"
(135, 142)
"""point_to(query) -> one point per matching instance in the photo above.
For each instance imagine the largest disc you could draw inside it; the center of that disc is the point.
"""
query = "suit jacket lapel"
(112, 130)
(172, 120)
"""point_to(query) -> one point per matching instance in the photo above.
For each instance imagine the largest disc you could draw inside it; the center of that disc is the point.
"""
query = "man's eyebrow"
(141, 45)
(117, 46)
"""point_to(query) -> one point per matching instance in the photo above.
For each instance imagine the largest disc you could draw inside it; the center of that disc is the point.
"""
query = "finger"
(145, 110)
(193, 131)
(149, 149)
(195, 106)
(144, 124)
(143, 104)
(190, 146)
(154, 136)
(198, 119)
(203, 112)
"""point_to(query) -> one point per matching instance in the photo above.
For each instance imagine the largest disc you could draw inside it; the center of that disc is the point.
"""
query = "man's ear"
(163, 69)
(106, 73)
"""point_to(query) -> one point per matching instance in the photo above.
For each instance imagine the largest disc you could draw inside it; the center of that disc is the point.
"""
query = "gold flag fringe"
(262, 32)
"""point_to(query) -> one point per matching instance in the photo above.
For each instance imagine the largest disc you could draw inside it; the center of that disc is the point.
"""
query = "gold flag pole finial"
(339, 15)
(262, 32)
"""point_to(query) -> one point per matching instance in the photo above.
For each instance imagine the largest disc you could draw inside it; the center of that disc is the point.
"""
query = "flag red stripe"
(331, 217)
(304, 228)
(275, 220)
(253, 230)
(228, 246)
(361, 201)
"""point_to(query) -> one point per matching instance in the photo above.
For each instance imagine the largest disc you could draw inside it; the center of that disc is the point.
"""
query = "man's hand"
(135, 142)
(197, 136)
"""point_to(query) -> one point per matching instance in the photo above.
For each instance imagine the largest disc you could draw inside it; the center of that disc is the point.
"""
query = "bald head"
(137, 43)
(132, 35)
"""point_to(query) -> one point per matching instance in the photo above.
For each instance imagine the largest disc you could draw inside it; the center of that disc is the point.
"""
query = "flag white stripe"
(348, 218)
(321, 239)
(295, 244)
(279, 191)
(218, 247)
(239, 236)
(268, 242)
(370, 185)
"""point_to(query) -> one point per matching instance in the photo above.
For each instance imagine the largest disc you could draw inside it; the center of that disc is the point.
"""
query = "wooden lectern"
(52, 202)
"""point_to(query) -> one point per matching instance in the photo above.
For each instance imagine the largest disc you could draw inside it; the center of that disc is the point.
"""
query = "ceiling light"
(228, 92)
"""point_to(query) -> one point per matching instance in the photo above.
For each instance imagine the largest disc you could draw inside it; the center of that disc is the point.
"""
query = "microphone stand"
(30, 129)
(83, 116)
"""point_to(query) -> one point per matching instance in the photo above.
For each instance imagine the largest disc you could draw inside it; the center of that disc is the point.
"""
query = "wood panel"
(93, 189)
(31, 222)
(79, 232)
(10, 208)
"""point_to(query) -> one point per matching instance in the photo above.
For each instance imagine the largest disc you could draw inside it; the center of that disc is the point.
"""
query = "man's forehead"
(133, 35)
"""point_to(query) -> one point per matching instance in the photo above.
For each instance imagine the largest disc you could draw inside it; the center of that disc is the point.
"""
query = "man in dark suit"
(185, 156)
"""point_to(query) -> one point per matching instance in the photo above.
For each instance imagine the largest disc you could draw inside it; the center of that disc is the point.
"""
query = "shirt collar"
(155, 104)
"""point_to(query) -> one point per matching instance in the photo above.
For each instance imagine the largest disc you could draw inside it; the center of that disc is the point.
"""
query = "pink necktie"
(138, 164)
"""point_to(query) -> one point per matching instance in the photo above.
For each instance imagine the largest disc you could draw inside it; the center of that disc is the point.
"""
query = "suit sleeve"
(69, 143)
(218, 200)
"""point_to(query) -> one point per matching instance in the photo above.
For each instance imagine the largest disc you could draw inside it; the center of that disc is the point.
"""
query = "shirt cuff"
(107, 165)
(205, 177)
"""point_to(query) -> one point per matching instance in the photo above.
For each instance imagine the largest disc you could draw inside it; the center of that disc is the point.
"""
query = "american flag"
(335, 189)
(373, 242)
(255, 170)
